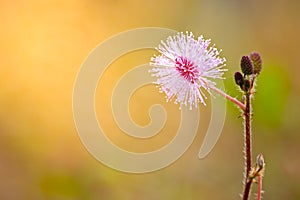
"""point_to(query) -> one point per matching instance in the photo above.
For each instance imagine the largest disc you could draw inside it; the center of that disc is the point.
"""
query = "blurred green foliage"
(271, 98)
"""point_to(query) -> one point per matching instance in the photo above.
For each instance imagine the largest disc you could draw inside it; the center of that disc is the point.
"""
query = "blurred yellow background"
(42, 45)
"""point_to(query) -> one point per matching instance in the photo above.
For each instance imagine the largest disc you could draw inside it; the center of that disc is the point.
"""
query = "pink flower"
(185, 67)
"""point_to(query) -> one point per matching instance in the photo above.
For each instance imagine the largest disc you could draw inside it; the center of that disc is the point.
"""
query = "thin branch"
(230, 98)
(259, 187)
(247, 189)
(248, 147)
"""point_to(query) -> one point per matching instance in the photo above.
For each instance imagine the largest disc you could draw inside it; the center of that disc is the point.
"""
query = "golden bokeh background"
(43, 44)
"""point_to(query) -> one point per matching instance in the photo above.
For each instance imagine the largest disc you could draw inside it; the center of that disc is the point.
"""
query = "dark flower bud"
(246, 65)
(257, 62)
(247, 85)
(239, 79)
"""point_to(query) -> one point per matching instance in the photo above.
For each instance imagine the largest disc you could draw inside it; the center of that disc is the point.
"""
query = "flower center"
(187, 69)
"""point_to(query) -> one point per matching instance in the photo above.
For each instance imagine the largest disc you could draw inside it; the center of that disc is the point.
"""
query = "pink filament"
(187, 69)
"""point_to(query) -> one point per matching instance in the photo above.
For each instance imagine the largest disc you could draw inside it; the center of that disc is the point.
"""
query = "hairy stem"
(248, 135)
(230, 98)
(247, 189)
(247, 114)
(259, 189)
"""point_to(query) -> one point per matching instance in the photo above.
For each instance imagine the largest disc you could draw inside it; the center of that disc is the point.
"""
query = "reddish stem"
(247, 189)
(248, 135)
(230, 98)
(259, 187)
(247, 114)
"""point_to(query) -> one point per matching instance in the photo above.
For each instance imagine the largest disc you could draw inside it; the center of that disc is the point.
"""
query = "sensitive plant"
(186, 66)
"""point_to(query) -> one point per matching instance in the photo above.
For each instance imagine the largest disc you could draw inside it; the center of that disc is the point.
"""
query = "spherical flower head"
(186, 66)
